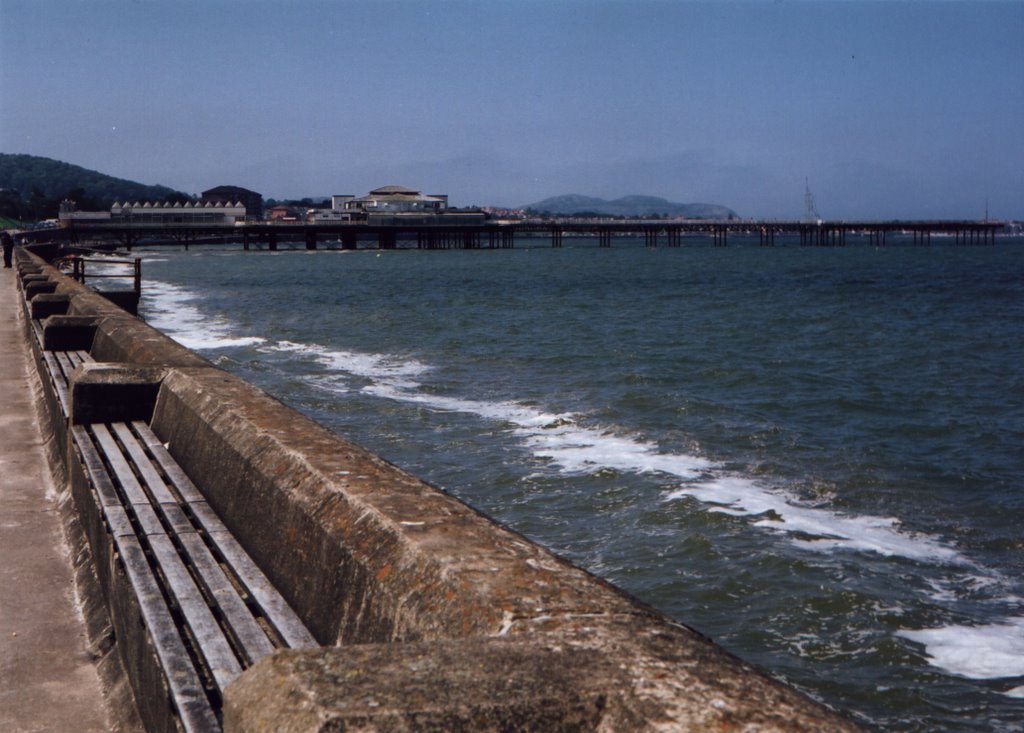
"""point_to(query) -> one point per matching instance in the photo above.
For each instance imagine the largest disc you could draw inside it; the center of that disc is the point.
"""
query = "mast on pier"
(810, 212)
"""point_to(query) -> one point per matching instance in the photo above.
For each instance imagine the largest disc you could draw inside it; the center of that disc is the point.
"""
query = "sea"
(814, 456)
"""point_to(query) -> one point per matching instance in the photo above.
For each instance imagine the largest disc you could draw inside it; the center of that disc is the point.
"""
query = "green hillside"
(32, 187)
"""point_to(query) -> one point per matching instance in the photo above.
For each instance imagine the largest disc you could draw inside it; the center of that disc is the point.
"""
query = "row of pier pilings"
(810, 235)
(972, 236)
(673, 237)
(425, 239)
(822, 236)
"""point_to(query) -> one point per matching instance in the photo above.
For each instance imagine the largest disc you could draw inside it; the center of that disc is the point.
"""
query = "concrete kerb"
(401, 576)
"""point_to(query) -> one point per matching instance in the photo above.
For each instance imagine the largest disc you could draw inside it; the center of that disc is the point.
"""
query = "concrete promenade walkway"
(47, 679)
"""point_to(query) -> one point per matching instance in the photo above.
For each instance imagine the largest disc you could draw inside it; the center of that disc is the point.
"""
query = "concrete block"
(33, 288)
(121, 337)
(68, 333)
(113, 393)
(456, 686)
(612, 681)
(127, 300)
(34, 276)
(49, 304)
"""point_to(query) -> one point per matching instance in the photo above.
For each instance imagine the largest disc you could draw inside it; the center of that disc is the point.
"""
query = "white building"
(225, 213)
(391, 200)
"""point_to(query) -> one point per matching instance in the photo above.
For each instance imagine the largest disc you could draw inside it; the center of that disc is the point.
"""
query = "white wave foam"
(578, 450)
(814, 528)
(171, 310)
(389, 369)
(575, 449)
(978, 652)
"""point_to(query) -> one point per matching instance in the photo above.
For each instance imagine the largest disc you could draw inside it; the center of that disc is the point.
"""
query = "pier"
(504, 234)
(242, 568)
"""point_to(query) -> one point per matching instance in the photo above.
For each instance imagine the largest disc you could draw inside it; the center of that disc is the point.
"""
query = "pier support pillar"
(272, 241)
(310, 239)
(349, 240)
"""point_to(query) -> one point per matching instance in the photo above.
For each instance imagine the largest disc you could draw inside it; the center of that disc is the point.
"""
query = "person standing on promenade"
(8, 245)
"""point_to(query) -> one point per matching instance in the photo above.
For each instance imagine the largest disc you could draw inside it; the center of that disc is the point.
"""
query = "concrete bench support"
(68, 333)
(102, 392)
(49, 304)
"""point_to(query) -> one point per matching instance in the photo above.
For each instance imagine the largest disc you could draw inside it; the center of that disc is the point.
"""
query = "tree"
(10, 204)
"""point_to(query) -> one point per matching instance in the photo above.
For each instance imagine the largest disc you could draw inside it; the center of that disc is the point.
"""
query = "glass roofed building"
(392, 200)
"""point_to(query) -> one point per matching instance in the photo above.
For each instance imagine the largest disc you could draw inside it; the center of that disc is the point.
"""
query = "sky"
(883, 109)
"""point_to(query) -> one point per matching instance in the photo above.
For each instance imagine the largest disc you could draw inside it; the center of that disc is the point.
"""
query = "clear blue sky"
(890, 109)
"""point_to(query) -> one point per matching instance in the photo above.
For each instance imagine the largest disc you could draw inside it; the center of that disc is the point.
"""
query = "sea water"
(813, 456)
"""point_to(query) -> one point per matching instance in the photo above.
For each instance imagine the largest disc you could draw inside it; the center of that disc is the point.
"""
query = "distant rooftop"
(394, 191)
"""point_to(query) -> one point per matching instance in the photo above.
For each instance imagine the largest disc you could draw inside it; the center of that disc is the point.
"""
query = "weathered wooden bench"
(208, 610)
(59, 366)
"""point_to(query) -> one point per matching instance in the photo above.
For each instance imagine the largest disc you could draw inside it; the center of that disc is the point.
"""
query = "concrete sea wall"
(431, 616)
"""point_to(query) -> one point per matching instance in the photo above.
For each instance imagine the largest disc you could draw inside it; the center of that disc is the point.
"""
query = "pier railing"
(117, 279)
(107, 269)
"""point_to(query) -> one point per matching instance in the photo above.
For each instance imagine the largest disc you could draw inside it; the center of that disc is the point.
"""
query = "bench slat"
(65, 364)
(240, 619)
(130, 484)
(212, 643)
(37, 329)
(79, 357)
(182, 483)
(187, 692)
(154, 482)
(273, 605)
(58, 380)
(94, 468)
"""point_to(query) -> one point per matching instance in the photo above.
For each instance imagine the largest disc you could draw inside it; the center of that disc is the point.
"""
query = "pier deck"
(494, 234)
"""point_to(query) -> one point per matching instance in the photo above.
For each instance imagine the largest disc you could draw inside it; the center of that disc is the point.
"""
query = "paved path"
(47, 679)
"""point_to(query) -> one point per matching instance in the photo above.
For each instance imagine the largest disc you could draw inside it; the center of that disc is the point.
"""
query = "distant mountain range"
(630, 206)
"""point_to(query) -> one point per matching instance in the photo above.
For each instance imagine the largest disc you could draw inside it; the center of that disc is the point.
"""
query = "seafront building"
(227, 205)
(391, 200)
(396, 206)
(158, 213)
(252, 201)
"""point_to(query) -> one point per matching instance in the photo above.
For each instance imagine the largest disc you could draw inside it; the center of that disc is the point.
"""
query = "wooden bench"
(59, 366)
(209, 611)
